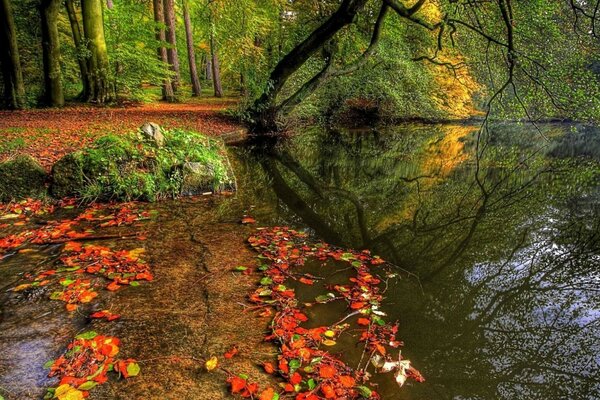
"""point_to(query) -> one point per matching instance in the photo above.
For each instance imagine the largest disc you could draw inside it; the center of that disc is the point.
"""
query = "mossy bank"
(147, 165)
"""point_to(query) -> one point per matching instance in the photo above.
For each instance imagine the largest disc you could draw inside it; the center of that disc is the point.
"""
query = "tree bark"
(196, 89)
(93, 28)
(53, 91)
(216, 69)
(168, 94)
(208, 68)
(12, 75)
(78, 41)
(170, 22)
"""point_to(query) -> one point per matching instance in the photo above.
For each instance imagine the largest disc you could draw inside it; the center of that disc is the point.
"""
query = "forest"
(299, 199)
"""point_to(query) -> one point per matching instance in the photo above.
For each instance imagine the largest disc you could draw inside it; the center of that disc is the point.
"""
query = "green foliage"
(126, 167)
(131, 41)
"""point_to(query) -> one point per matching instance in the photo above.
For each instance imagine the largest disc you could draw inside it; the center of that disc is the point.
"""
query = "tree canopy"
(299, 59)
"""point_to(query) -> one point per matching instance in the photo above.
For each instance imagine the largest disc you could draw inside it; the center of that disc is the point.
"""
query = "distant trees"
(12, 74)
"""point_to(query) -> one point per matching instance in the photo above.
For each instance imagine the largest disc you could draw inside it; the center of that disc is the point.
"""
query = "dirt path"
(48, 134)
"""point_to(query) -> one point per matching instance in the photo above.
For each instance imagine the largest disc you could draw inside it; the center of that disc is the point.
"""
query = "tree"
(196, 89)
(492, 25)
(80, 48)
(12, 75)
(168, 93)
(170, 22)
(214, 58)
(53, 91)
(93, 28)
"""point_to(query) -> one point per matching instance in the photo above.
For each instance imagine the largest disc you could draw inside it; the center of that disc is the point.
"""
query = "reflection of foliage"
(506, 244)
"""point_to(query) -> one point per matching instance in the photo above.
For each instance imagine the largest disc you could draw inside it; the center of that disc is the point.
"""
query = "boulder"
(22, 177)
(197, 178)
(67, 177)
(151, 132)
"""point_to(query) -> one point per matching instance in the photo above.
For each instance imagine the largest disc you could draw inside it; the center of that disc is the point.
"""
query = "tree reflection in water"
(506, 243)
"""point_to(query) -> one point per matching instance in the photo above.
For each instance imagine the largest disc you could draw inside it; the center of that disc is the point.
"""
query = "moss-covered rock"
(22, 177)
(67, 176)
(128, 167)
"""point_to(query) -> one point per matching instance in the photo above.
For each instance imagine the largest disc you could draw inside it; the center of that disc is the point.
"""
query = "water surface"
(497, 238)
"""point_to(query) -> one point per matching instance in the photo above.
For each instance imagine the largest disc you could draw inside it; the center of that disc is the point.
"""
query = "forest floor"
(49, 134)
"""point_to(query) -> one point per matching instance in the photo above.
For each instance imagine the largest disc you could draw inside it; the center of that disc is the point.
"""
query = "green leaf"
(311, 384)
(294, 364)
(87, 385)
(134, 283)
(240, 268)
(86, 335)
(48, 364)
(364, 391)
(324, 298)
(133, 369)
(266, 281)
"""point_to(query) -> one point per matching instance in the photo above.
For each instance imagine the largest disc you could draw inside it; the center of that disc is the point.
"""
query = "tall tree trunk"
(208, 68)
(168, 94)
(53, 91)
(93, 28)
(170, 22)
(196, 89)
(12, 75)
(77, 39)
(215, 68)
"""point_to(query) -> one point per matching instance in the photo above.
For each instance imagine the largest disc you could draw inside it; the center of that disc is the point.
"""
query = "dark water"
(500, 237)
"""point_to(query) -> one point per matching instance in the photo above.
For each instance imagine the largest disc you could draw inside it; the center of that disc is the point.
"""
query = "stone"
(197, 178)
(67, 176)
(151, 132)
(22, 177)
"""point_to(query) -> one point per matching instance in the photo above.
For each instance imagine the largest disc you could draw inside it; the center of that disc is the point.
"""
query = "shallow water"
(497, 242)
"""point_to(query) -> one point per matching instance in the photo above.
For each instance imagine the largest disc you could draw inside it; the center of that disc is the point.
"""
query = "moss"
(67, 176)
(22, 177)
(128, 168)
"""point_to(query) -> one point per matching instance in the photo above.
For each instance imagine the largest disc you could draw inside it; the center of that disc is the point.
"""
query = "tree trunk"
(196, 89)
(208, 72)
(264, 111)
(93, 28)
(216, 71)
(53, 92)
(168, 94)
(170, 22)
(77, 39)
(12, 75)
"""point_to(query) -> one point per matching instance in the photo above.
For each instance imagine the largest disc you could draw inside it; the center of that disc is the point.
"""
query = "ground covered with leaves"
(49, 134)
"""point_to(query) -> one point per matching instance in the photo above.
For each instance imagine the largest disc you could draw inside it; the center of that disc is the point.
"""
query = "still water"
(496, 238)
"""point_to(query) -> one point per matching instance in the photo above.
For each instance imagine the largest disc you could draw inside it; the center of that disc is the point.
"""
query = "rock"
(197, 178)
(67, 177)
(22, 177)
(151, 132)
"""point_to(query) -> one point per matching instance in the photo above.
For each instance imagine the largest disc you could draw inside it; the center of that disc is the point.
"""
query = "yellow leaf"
(68, 392)
(21, 287)
(211, 363)
(328, 342)
(330, 333)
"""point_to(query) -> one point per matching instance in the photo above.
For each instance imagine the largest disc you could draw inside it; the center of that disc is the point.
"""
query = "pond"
(496, 240)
